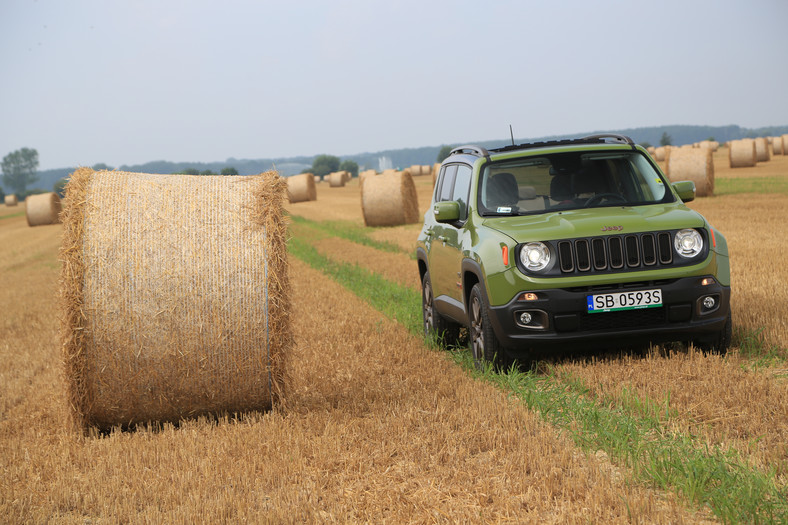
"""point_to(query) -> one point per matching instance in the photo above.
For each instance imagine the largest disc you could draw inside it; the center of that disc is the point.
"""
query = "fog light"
(709, 302)
(707, 281)
(525, 317)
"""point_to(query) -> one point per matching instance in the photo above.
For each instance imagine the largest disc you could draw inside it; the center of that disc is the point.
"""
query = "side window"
(447, 183)
(462, 185)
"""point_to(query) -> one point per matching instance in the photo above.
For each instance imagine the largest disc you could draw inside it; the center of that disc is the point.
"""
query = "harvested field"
(379, 427)
(405, 438)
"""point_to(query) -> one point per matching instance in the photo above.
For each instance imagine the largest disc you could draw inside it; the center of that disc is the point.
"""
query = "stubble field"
(381, 426)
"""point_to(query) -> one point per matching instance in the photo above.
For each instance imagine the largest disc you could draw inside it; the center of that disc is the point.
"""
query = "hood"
(594, 222)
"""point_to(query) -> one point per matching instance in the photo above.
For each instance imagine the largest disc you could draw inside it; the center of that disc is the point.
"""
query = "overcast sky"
(126, 82)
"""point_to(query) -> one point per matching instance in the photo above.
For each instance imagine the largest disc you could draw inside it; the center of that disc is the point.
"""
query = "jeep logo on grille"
(612, 228)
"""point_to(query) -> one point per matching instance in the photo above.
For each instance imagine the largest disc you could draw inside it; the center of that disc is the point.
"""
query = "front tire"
(446, 332)
(483, 343)
(719, 344)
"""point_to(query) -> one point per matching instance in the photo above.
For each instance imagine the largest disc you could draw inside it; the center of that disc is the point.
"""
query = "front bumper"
(560, 318)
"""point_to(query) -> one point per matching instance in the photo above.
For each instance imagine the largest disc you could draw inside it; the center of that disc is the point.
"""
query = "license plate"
(612, 302)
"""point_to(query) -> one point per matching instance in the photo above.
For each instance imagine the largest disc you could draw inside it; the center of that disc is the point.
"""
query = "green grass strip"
(400, 303)
(706, 476)
(730, 186)
(352, 232)
(19, 214)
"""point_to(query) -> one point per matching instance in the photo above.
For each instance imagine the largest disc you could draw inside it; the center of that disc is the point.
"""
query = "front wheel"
(484, 345)
(720, 343)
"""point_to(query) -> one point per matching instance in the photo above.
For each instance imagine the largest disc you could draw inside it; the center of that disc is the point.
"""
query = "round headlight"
(688, 243)
(535, 256)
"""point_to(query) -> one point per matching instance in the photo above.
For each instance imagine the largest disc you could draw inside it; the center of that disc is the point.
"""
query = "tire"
(719, 344)
(435, 325)
(483, 343)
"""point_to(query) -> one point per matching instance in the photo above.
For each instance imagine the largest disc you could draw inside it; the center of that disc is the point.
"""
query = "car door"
(445, 258)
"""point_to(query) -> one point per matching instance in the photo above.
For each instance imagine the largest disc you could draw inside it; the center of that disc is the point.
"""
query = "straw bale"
(363, 175)
(761, 150)
(175, 296)
(42, 209)
(426, 169)
(741, 153)
(318, 178)
(662, 153)
(777, 145)
(693, 164)
(436, 168)
(709, 144)
(11, 200)
(785, 144)
(346, 176)
(336, 179)
(389, 200)
(415, 170)
(301, 188)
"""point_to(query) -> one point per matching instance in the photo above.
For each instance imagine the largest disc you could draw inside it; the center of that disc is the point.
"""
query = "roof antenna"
(511, 133)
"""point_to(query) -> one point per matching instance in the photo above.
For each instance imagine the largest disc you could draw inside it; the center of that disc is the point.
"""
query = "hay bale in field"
(336, 179)
(662, 153)
(301, 188)
(42, 209)
(693, 164)
(389, 199)
(436, 168)
(785, 144)
(741, 153)
(777, 146)
(363, 175)
(175, 295)
(11, 200)
(761, 150)
(415, 170)
(709, 144)
(317, 179)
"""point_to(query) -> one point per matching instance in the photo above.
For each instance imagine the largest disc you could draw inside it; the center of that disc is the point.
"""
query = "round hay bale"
(426, 169)
(346, 176)
(762, 150)
(317, 179)
(301, 188)
(175, 296)
(777, 146)
(11, 200)
(785, 144)
(693, 164)
(741, 153)
(661, 153)
(436, 168)
(336, 179)
(415, 170)
(389, 200)
(42, 209)
(363, 175)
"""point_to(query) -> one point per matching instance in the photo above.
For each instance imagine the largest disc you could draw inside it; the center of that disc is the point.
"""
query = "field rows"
(381, 426)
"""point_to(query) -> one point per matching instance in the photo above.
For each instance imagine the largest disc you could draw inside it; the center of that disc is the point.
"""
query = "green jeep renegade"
(568, 244)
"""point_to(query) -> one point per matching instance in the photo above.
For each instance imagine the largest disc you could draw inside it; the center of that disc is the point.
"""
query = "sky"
(132, 81)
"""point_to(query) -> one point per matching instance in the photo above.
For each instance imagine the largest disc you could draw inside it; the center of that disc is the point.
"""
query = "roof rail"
(470, 149)
(614, 136)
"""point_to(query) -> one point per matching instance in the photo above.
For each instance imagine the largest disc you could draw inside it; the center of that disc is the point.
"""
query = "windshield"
(565, 181)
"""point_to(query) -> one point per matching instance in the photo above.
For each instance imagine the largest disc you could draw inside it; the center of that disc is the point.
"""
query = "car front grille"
(637, 251)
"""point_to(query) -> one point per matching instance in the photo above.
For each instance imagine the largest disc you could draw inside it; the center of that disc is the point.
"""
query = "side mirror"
(685, 189)
(446, 211)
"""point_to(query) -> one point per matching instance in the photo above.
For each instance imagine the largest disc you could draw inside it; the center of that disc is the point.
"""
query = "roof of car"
(603, 138)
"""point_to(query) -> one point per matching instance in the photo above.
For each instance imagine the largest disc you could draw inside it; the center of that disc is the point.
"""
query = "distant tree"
(207, 172)
(19, 169)
(101, 166)
(325, 164)
(711, 139)
(188, 171)
(645, 144)
(350, 166)
(60, 186)
(665, 140)
(229, 170)
(443, 153)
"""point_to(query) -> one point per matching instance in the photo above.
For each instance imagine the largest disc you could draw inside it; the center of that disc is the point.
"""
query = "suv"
(570, 243)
